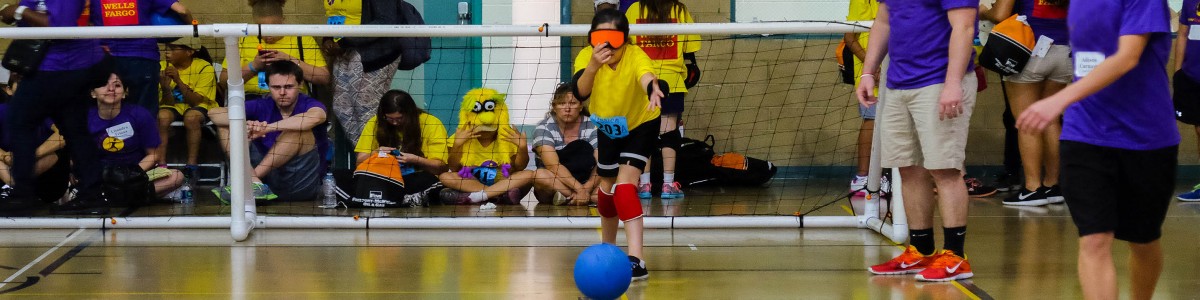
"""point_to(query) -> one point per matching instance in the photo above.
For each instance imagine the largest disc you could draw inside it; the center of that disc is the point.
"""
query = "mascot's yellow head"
(485, 108)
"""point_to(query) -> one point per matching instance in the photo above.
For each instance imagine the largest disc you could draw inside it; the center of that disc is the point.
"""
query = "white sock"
(645, 178)
(477, 197)
(668, 178)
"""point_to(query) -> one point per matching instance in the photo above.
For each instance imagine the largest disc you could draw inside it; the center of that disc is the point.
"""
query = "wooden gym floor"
(1024, 253)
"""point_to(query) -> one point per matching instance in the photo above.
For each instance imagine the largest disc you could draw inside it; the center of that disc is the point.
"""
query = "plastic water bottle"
(329, 200)
(185, 193)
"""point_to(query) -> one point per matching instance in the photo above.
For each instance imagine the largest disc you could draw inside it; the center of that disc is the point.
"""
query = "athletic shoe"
(1007, 183)
(946, 266)
(1053, 194)
(513, 196)
(976, 189)
(908, 262)
(644, 191)
(559, 199)
(452, 197)
(87, 203)
(639, 268)
(885, 184)
(261, 192)
(1192, 196)
(1027, 198)
(671, 191)
(858, 185)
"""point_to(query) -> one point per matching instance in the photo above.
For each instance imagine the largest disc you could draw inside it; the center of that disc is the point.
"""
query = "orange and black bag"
(377, 182)
(1009, 46)
(736, 169)
(845, 61)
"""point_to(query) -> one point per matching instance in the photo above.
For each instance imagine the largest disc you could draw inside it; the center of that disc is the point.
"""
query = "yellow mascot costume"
(484, 109)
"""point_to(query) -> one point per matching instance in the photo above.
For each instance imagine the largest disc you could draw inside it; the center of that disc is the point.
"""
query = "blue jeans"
(140, 76)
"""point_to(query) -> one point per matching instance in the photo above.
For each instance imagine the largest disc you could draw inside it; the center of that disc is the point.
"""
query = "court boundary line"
(35, 261)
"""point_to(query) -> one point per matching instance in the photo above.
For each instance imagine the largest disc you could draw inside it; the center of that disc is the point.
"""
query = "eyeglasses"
(394, 120)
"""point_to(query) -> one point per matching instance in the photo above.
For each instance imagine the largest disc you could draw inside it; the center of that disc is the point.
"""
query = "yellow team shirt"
(619, 92)
(433, 138)
(474, 153)
(289, 45)
(201, 78)
(862, 10)
(343, 12)
(668, 57)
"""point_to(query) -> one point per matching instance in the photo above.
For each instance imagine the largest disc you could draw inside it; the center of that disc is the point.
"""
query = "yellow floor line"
(965, 290)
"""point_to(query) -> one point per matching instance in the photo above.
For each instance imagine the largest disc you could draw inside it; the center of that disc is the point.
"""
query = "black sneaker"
(1008, 182)
(639, 268)
(1027, 198)
(1053, 194)
(976, 189)
(85, 203)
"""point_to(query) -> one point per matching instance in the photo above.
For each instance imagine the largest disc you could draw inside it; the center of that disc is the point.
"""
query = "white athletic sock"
(668, 178)
(645, 178)
(477, 197)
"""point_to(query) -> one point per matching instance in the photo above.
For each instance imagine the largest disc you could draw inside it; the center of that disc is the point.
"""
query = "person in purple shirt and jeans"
(288, 135)
(59, 90)
(1119, 140)
(930, 95)
(135, 60)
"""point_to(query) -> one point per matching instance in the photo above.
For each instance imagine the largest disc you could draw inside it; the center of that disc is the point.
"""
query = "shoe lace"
(945, 259)
(1196, 187)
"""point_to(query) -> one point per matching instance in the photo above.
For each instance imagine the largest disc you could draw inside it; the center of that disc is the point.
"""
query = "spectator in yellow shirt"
(257, 53)
(188, 90)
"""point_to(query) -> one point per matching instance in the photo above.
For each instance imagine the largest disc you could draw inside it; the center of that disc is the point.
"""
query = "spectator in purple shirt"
(924, 123)
(288, 135)
(127, 135)
(59, 90)
(51, 170)
(1119, 141)
(1187, 76)
(135, 60)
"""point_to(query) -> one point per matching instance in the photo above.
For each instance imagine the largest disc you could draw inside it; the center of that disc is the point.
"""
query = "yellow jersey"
(618, 92)
(201, 77)
(499, 151)
(343, 12)
(433, 138)
(862, 10)
(312, 55)
(666, 52)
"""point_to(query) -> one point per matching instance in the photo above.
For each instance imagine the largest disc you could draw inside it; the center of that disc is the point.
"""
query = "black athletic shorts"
(672, 104)
(633, 149)
(1126, 192)
(1187, 98)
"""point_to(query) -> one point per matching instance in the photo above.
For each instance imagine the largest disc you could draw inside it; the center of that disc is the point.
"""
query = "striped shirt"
(547, 133)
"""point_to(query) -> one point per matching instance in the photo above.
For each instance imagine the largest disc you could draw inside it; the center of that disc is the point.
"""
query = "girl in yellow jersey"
(674, 58)
(625, 96)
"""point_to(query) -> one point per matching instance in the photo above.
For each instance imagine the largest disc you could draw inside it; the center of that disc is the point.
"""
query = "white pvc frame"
(242, 221)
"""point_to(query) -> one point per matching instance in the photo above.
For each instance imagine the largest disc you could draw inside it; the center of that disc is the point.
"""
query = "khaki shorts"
(1056, 66)
(912, 134)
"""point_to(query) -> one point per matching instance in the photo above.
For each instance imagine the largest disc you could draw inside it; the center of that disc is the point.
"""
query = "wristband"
(251, 66)
(865, 74)
(19, 13)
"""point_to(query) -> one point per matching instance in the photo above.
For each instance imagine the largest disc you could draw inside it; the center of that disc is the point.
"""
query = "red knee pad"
(629, 206)
(605, 204)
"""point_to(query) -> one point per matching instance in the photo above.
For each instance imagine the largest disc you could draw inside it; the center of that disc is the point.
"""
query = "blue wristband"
(251, 66)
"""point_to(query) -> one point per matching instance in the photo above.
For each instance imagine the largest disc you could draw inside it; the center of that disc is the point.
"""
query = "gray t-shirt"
(547, 133)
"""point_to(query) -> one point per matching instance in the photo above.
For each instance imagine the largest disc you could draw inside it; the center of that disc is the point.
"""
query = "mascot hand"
(513, 135)
(462, 136)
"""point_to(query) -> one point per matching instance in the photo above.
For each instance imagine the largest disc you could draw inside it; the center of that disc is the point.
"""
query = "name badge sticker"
(1194, 32)
(121, 131)
(1086, 61)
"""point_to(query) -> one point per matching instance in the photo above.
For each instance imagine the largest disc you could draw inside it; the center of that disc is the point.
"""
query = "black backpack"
(696, 164)
(414, 51)
(126, 185)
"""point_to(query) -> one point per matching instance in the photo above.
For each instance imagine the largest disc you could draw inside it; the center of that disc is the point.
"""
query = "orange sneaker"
(908, 262)
(946, 266)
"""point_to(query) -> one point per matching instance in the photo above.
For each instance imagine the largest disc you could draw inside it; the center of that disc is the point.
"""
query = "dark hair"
(284, 67)
(388, 135)
(659, 11)
(561, 92)
(267, 8)
(611, 16)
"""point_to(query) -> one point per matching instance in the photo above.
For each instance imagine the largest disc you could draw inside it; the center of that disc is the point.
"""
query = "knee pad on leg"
(671, 139)
(628, 205)
(605, 204)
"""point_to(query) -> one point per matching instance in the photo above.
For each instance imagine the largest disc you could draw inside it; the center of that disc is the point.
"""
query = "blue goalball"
(603, 272)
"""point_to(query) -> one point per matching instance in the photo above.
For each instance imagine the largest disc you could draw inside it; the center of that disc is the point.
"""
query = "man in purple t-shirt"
(1187, 76)
(136, 60)
(923, 123)
(288, 136)
(59, 90)
(1119, 140)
